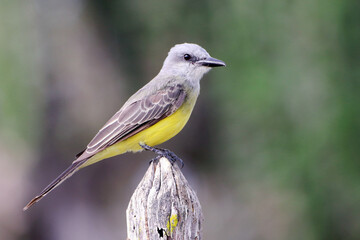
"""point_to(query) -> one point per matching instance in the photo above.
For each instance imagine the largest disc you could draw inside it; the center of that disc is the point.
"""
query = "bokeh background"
(272, 147)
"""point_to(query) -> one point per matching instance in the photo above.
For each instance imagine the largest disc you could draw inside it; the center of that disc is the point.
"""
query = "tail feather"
(60, 179)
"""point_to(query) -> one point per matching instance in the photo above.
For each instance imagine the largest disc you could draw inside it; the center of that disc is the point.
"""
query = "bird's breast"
(153, 135)
(168, 127)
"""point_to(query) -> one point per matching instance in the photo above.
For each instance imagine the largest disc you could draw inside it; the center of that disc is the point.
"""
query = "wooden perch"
(164, 206)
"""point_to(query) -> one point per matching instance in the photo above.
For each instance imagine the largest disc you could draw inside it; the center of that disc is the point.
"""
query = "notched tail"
(61, 178)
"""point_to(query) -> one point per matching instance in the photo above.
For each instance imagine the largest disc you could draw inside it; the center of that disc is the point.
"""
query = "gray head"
(190, 61)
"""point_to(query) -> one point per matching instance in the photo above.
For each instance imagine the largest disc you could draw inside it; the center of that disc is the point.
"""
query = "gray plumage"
(177, 82)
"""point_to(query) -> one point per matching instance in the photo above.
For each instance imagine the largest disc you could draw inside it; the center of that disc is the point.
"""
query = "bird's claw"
(163, 153)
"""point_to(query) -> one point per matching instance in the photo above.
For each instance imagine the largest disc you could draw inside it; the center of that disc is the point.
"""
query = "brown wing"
(128, 121)
(135, 117)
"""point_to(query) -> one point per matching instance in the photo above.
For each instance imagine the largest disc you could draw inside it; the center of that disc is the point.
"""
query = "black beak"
(211, 62)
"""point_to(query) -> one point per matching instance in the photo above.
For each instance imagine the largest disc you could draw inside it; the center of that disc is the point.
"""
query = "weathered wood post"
(164, 206)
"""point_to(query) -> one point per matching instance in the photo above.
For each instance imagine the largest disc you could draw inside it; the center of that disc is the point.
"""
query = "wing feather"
(136, 117)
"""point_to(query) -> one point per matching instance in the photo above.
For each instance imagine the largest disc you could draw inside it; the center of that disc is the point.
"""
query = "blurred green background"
(272, 147)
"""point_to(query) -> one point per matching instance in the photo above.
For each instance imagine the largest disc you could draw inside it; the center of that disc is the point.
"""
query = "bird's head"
(190, 61)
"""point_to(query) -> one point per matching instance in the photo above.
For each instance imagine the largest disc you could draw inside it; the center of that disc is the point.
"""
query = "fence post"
(164, 206)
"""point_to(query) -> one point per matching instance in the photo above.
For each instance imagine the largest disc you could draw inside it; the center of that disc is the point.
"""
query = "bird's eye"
(187, 57)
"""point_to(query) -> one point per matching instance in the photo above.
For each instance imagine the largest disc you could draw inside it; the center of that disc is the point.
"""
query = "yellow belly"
(152, 136)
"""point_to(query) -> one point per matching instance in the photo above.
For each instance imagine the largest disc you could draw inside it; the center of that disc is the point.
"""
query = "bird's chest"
(170, 126)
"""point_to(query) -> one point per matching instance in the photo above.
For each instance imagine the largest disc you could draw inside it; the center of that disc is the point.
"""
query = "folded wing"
(130, 120)
(136, 117)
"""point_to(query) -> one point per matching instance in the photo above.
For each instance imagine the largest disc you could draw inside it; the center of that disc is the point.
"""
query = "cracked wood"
(164, 206)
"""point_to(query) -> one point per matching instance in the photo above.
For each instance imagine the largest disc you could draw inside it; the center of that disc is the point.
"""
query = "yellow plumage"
(173, 91)
(152, 136)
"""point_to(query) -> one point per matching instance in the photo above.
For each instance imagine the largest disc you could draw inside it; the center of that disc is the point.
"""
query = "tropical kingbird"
(153, 115)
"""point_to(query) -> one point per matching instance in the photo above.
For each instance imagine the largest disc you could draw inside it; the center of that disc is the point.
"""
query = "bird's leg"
(163, 153)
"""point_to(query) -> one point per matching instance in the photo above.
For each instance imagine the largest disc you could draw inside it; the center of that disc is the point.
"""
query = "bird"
(154, 114)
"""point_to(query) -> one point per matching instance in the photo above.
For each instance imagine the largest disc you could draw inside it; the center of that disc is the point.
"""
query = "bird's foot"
(163, 153)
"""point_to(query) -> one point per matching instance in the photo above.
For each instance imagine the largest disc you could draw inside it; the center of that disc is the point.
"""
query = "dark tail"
(65, 175)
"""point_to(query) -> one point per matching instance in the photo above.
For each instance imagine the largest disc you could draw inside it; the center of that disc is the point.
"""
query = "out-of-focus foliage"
(272, 147)
(291, 105)
(18, 78)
